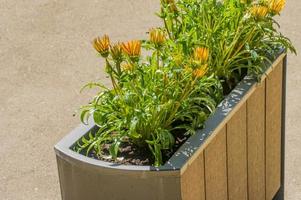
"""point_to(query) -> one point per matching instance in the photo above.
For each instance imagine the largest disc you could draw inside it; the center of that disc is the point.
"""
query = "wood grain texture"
(237, 155)
(256, 143)
(192, 180)
(216, 168)
(273, 131)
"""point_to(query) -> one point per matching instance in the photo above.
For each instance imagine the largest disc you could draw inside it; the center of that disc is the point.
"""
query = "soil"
(130, 154)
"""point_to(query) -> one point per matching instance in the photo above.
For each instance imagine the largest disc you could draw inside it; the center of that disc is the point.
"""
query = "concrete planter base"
(238, 155)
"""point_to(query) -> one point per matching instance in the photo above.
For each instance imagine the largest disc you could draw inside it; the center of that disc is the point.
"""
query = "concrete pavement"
(46, 56)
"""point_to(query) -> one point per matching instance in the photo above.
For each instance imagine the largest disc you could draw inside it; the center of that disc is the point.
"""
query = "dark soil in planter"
(229, 84)
(130, 154)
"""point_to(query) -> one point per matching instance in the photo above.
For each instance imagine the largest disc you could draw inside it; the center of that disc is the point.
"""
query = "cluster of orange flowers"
(131, 48)
(273, 6)
(102, 45)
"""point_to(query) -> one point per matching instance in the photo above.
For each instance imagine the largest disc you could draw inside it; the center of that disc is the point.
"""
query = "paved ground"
(46, 56)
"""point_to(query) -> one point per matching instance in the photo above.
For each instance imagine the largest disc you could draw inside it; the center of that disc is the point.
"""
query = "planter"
(238, 155)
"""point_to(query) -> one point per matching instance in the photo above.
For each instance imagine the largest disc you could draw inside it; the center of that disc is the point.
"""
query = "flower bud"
(201, 54)
(276, 6)
(102, 45)
(157, 36)
(116, 52)
(259, 11)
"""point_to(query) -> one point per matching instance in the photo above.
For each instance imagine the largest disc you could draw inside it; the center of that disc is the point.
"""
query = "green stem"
(165, 23)
(158, 58)
(108, 65)
(184, 96)
(118, 68)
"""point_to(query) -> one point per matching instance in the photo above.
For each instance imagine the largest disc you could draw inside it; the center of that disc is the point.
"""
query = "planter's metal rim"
(182, 155)
(62, 149)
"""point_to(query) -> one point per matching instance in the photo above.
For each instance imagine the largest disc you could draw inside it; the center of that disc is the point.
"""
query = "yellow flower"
(259, 11)
(127, 67)
(276, 6)
(200, 72)
(102, 45)
(132, 48)
(116, 51)
(201, 54)
(157, 36)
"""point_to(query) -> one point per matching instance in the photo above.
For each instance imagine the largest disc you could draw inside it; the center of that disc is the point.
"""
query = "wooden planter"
(238, 155)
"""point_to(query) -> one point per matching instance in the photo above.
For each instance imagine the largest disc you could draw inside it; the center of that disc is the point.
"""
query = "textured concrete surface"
(46, 56)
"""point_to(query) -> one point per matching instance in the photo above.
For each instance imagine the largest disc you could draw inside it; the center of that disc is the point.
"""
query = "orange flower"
(276, 6)
(259, 11)
(201, 54)
(116, 51)
(200, 72)
(132, 48)
(157, 36)
(102, 45)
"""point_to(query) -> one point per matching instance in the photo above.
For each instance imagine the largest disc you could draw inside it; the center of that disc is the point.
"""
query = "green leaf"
(93, 85)
(114, 148)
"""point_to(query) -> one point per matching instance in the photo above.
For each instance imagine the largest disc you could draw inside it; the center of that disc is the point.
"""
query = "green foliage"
(236, 38)
(203, 45)
(152, 98)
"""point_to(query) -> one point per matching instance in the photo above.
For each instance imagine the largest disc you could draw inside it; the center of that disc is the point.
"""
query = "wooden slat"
(256, 143)
(237, 155)
(216, 168)
(273, 131)
(192, 180)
